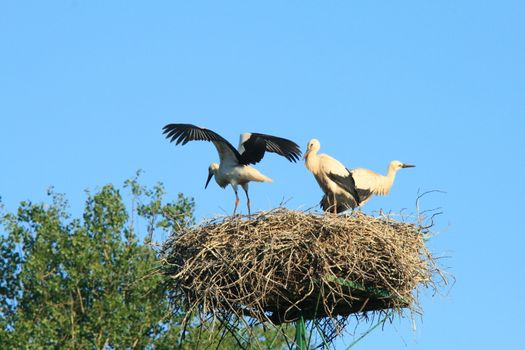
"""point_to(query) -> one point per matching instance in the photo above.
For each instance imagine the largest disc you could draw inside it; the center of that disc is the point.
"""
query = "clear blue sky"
(86, 86)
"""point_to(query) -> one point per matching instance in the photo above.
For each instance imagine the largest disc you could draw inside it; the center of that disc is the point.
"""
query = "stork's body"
(368, 182)
(233, 168)
(339, 195)
(238, 175)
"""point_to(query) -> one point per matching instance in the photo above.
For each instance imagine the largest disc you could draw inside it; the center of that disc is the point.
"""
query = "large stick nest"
(279, 265)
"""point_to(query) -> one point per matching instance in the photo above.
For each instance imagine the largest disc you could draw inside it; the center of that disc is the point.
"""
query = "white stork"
(339, 195)
(233, 168)
(368, 182)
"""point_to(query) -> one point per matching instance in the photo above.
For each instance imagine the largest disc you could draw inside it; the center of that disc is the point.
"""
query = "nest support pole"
(300, 334)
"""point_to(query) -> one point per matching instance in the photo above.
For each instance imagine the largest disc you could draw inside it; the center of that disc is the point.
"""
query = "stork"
(368, 182)
(339, 195)
(233, 168)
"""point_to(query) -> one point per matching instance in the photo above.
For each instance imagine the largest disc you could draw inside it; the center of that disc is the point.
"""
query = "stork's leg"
(245, 188)
(236, 200)
(335, 204)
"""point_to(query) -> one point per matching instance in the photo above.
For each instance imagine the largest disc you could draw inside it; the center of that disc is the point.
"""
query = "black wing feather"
(183, 133)
(254, 149)
(258, 144)
(347, 183)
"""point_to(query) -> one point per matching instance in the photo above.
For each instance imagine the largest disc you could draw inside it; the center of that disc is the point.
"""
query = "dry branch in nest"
(279, 265)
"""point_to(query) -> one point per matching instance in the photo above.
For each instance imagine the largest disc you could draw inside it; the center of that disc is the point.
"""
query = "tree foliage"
(89, 283)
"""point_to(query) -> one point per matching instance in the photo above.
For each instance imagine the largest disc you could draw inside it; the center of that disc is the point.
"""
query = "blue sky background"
(86, 86)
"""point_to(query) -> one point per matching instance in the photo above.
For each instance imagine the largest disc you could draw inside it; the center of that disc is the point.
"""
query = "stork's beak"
(210, 175)
(306, 153)
(408, 166)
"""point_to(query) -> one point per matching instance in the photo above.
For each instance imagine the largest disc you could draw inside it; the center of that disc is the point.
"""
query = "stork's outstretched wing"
(183, 133)
(252, 147)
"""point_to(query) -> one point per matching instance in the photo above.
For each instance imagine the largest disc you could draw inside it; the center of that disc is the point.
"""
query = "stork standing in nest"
(233, 168)
(367, 182)
(339, 196)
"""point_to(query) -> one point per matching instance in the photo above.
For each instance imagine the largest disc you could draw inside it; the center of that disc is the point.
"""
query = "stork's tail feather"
(261, 178)
(252, 174)
(324, 203)
(267, 179)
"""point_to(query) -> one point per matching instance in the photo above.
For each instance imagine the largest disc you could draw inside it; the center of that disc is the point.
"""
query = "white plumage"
(340, 195)
(368, 182)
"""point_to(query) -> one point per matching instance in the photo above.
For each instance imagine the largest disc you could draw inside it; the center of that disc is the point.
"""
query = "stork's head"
(395, 165)
(313, 146)
(212, 169)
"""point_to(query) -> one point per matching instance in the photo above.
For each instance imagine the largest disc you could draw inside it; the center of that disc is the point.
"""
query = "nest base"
(280, 265)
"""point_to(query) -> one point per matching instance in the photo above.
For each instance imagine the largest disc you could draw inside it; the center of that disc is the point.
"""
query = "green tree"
(72, 283)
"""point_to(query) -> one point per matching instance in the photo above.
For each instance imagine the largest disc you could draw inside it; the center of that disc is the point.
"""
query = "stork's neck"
(388, 180)
(391, 173)
(312, 161)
